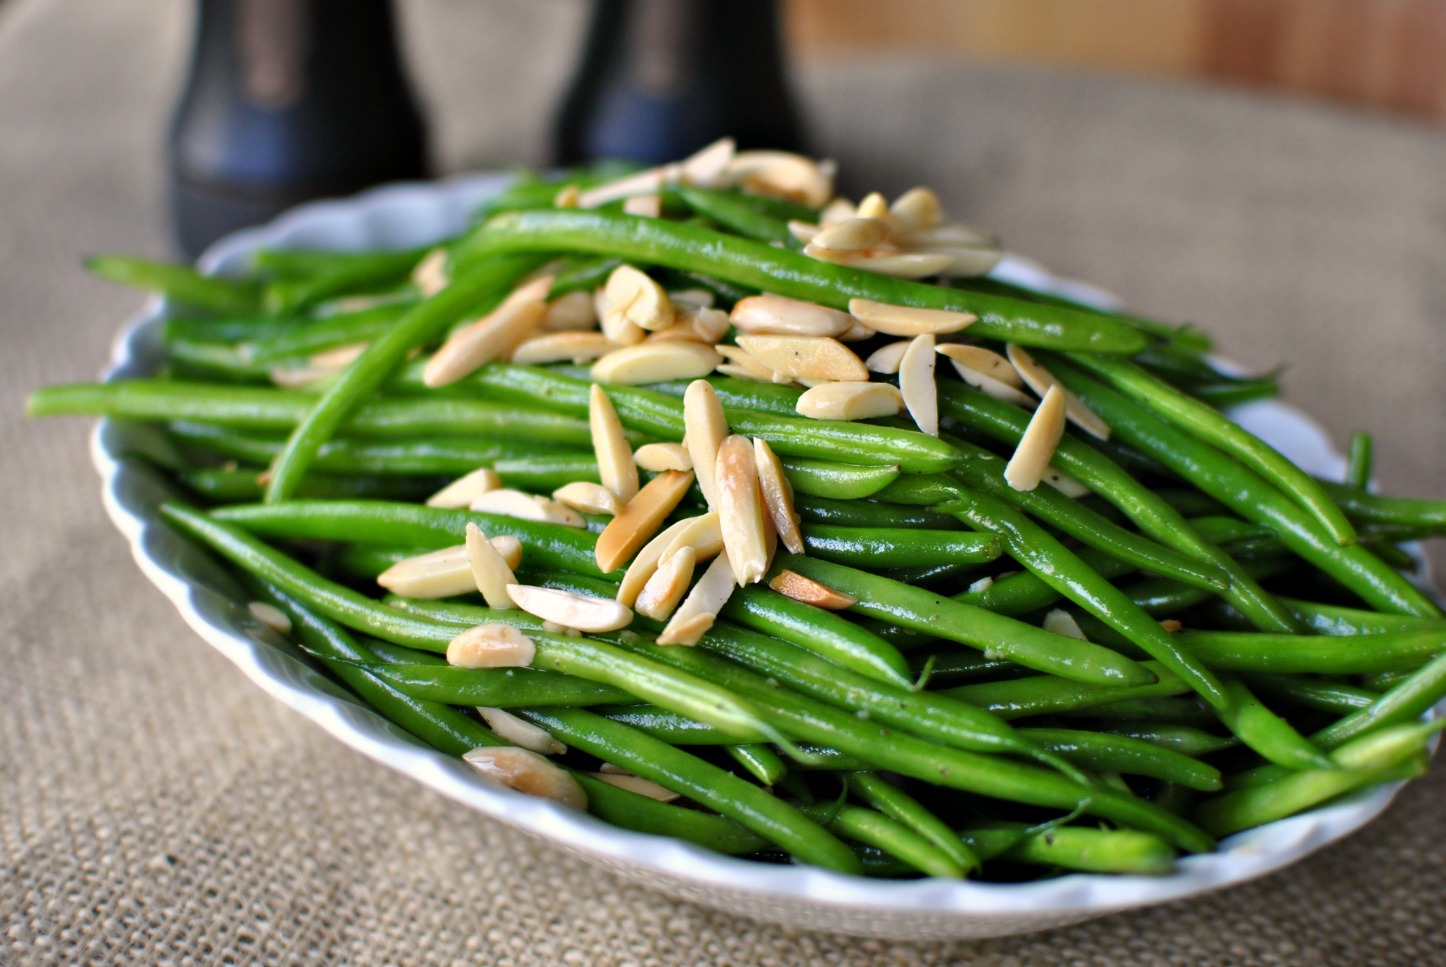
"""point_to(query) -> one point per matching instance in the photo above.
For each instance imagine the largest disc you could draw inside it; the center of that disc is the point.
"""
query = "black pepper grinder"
(659, 79)
(285, 101)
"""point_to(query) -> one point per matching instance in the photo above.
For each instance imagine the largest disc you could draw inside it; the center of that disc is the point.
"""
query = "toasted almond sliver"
(571, 610)
(631, 294)
(494, 336)
(1064, 483)
(639, 183)
(515, 503)
(990, 386)
(491, 646)
(555, 347)
(641, 518)
(908, 321)
(655, 362)
(888, 358)
(489, 570)
(615, 325)
(806, 357)
(460, 492)
(335, 360)
(740, 510)
(702, 534)
(567, 197)
(636, 784)
(1171, 625)
(1063, 623)
(660, 596)
(741, 360)
(646, 562)
(750, 374)
(917, 386)
(983, 362)
(784, 175)
(700, 608)
(850, 401)
(1041, 379)
(965, 261)
(436, 574)
(648, 206)
(298, 377)
(705, 427)
(610, 445)
(906, 265)
(776, 315)
(572, 312)
(586, 497)
(271, 616)
(854, 234)
(916, 209)
(873, 205)
(952, 234)
(708, 166)
(520, 732)
(858, 333)
(777, 495)
(430, 274)
(685, 300)
(805, 232)
(657, 457)
(709, 323)
(526, 771)
(1031, 458)
(793, 585)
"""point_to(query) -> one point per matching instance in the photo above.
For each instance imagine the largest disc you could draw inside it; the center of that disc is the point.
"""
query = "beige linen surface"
(156, 807)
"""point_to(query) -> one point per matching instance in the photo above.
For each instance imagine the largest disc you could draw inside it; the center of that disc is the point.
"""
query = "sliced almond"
(491, 646)
(705, 428)
(983, 362)
(858, 333)
(806, 357)
(703, 535)
(586, 497)
(641, 518)
(852, 235)
(964, 261)
(571, 312)
(569, 346)
(298, 377)
(916, 209)
(793, 585)
(430, 275)
(1040, 380)
(520, 732)
(657, 457)
(907, 265)
(782, 174)
(489, 571)
(1064, 483)
(779, 316)
(271, 616)
(663, 591)
(850, 401)
(571, 610)
(777, 495)
(436, 574)
(515, 503)
(615, 325)
(917, 386)
(636, 784)
(494, 336)
(952, 234)
(740, 510)
(804, 232)
(461, 492)
(648, 206)
(837, 210)
(708, 166)
(526, 771)
(692, 299)
(655, 362)
(610, 445)
(888, 358)
(633, 296)
(1026, 467)
(646, 562)
(892, 320)
(338, 359)
(742, 364)
(700, 608)
(873, 205)
(639, 183)
(1063, 623)
(751, 374)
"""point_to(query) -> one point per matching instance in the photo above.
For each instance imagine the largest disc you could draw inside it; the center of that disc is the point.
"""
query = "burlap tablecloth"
(155, 807)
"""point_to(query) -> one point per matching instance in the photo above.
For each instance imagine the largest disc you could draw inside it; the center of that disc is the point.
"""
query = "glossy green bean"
(734, 212)
(1049, 695)
(898, 805)
(887, 834)
(1073, 848)
(629, 810)
(1368, 508)
(1106, 752)
(885, 547)
(180, 284)
(760, 761)
(868, 513)
(1314, 693)
(1315, 654)
(1358, 461)
(1183, 739)
(327, 332)
(494, 687)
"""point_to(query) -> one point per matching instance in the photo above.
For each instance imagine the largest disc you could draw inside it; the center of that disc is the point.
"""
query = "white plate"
(411, 215)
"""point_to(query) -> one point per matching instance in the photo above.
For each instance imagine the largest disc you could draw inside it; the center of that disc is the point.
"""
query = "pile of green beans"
(1026, 683)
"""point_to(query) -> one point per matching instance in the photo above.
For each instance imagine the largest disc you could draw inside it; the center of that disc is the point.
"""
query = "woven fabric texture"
(156, 807)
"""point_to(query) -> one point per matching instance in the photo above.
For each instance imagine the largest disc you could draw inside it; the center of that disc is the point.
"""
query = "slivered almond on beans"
(586, 497)
(850, 401)
(491, 646)
(594, 615)
(704, 534)
(740, 510)
(806, 357)
(526, 771)
(610, 444)
(742, 364)
(649, 206)
(887, 359)
(494, 336)
(793, 585)
(490, 571)
(873, 205)
(663, 591)
(853, 234)
(916, 209)
(271, 616)
(555, 347)
(646, 562)
(1063, 623)
(657, 457)
(460, 492)
(515, 503)
(641, 518)
(1026, 467)
(631, 294)
(436, 574)
(982, 361)
(777, 495)
(775, 315)
(892, 320)
(637, 784)
(1040, 380)
(520, 732)
(656, 362)
(917, 386)
(782, 174)
(430, 274)
(705, 427)
(572, 312)
(700, 608)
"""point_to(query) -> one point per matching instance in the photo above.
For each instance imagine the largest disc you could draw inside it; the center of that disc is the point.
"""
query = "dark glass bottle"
(659, 79)
(285, 101)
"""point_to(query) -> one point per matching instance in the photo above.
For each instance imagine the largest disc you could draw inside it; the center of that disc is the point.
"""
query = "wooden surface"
(1389, 54)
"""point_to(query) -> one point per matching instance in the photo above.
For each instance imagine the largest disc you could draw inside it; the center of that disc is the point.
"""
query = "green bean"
(215, 361)
(957, 665)
(671, 727)
(327, 332)
(1164, 709)
(868, 513)
(1369, 508)
(494, 687)
(1315, 654)
(1073, 848)
(1409, 700)
(718, 789)
(760, 761)
(885, 547)
(898, 805)
(836, 481)
(887, 834)
(760, 266)
(472, 292)
(995, 635)
(734, 212)
(360, 273)
(1264, 731)
(1213, 428)
(1358, 461)
(244, 483)
(1179, 738)
(1311, 692)
(1251, 496)
(180, 284)
(300, 263)
(229, 329)
(1106, 752)
(629, 810)
(1050, 695)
